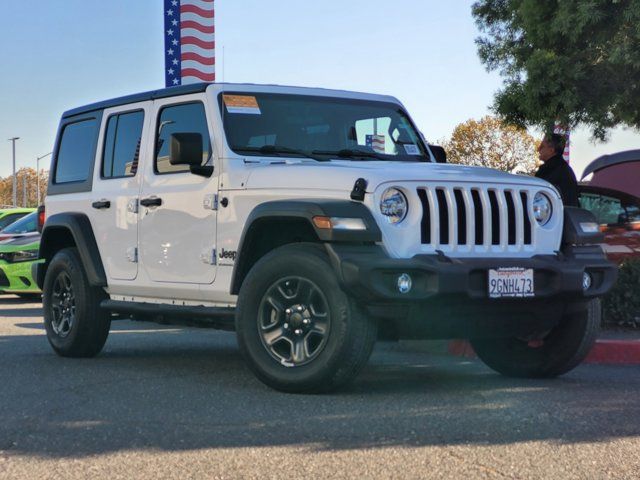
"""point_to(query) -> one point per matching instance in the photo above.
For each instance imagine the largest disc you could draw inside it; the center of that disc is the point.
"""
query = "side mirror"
(439, 153)
(187, 149)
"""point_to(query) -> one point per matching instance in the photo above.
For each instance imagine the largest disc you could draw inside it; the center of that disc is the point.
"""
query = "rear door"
(116, 186)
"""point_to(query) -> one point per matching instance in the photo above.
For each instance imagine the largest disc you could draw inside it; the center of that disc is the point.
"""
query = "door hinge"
(209, 256)
(132, 254)
(132, 205)
(210, 201)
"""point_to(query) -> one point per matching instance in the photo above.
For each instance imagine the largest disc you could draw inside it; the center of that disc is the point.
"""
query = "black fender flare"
(79, 227)
(307, 209)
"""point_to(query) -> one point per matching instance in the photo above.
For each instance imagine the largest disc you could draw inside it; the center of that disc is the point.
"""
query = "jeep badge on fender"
(336, 218)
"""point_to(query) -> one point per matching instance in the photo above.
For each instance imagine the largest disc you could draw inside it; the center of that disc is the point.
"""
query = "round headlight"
(542, 208)
(393, 205)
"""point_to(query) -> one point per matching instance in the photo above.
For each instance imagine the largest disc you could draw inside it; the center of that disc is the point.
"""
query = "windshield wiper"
(349, 153)
(278, 149)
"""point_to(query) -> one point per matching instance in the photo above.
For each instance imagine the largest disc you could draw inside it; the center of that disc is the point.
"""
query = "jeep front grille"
(460, 217)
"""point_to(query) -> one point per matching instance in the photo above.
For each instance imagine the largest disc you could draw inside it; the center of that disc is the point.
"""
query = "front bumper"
(449, 297)
(370, 275)
(16, 277)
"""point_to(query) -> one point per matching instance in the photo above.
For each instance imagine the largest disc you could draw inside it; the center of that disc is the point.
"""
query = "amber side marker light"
(339, 223)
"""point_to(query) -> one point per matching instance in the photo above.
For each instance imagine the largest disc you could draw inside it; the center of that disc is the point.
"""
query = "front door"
(177, 208)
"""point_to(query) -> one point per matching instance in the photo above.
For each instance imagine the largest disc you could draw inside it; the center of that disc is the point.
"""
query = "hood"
(342, 174)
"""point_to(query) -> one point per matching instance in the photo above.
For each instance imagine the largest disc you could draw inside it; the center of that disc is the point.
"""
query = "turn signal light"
(339, 223)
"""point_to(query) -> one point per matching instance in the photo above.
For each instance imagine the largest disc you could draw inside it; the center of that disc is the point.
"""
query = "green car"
(19, 245)
(10, 215)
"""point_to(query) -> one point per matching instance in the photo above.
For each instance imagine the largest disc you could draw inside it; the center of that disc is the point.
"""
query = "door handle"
(100, 204)
(151, 202)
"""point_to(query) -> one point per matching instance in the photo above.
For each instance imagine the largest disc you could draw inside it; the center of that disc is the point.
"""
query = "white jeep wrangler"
(307, 220)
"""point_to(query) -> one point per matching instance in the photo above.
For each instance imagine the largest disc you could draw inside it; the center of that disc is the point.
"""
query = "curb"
(604, 352)
(615, 352)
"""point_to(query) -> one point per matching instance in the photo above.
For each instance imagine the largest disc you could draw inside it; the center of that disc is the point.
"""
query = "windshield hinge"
(359, 189)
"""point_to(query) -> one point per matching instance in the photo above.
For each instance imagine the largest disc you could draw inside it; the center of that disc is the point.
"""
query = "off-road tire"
(560, 351)
(348, 343)
(90, 327)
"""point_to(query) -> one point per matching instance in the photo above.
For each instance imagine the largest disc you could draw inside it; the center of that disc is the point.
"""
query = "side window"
(76, 153)
(9, 219)
(122, 145)
(186, 118)
(607, 210)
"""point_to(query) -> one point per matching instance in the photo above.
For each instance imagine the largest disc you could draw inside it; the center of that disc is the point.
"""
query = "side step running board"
(198, 316)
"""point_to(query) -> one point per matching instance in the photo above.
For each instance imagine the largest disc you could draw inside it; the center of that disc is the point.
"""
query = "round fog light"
(586, 281)
(404, 283)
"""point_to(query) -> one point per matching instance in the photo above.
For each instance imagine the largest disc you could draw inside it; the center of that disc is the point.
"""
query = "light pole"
(38, 173)
(15, 180)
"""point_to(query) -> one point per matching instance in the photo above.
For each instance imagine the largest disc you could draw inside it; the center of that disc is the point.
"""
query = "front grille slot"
(477, 213)
(495, 218)
(425, 224)
(527, 221)
(511, 219)
(443, 211)
(4, 281)
(467, 218)
(461, 211)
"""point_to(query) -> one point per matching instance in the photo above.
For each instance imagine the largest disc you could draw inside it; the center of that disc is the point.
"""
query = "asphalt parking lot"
(164, 402)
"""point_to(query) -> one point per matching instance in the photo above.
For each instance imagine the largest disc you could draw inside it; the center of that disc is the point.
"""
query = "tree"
(488, 142)
(572, 61)
(6, 187)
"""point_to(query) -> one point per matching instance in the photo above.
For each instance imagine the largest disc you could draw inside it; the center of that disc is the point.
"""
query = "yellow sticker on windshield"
(246, 104)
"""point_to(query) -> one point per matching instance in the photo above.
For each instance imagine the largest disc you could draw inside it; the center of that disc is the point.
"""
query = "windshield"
(322, 128)
(26, 224)
(10, 218)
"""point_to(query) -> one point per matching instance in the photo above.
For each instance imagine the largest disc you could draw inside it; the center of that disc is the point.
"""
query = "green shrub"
(621, 306)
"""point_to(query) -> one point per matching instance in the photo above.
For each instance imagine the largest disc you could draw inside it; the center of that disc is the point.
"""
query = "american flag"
(190, 42)
(562, 130)
(376, 142)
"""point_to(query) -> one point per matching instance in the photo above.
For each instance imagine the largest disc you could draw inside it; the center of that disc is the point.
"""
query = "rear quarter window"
(76, 152)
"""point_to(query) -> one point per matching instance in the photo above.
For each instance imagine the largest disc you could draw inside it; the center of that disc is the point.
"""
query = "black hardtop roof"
(138, 97)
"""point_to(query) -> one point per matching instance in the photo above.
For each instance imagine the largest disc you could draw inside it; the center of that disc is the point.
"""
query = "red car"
(613, 195)
(618, 214)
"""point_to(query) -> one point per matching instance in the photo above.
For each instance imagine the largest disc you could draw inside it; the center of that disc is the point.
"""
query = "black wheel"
(548, 355)
(298, 331)
(75, 324)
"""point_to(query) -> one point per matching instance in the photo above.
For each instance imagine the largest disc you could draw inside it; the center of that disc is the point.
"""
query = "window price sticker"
(242, 104)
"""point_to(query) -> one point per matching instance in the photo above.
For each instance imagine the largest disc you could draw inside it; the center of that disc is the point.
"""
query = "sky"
(66, 53)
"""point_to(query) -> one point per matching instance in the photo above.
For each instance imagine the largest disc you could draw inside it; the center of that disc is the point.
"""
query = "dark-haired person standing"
(556, 170)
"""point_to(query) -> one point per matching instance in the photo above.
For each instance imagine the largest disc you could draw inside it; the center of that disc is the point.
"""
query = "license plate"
(511, 282)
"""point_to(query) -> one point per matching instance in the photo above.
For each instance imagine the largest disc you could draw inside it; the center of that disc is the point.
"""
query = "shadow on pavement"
(184, 389)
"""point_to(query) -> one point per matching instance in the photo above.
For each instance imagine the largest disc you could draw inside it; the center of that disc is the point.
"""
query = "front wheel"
(298, 331)
(76, 325)
(556, 352)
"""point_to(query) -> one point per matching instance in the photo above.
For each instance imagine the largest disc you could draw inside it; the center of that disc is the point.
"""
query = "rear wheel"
(76, 325)
(296, 328)
(554, 353)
